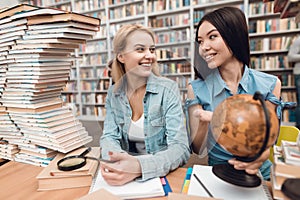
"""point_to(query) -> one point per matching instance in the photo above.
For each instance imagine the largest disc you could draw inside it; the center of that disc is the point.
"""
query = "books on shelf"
(51, 178)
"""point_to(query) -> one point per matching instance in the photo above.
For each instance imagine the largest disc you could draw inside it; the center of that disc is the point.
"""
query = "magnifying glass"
(70, 163)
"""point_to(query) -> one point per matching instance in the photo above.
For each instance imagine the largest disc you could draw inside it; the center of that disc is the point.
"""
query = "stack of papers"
(131, 190)
(221, 189)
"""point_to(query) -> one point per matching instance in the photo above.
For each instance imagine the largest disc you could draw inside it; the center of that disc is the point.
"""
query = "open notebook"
(131, 190)
(221, 189)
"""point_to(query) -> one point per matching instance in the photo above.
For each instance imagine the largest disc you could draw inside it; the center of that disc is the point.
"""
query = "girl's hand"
(251, 167)
(125, 169)
(203, 115)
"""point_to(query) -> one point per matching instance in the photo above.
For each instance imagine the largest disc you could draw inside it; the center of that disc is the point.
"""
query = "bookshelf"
(271, 36)
(174, 23)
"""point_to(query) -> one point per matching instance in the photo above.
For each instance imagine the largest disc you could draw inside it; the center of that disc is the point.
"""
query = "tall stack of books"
(286, 165)
(37, 48)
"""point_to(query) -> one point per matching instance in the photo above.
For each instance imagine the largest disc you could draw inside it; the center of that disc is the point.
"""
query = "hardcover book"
(63, 17)
(291, 152)
(51, 178)
(15, 9)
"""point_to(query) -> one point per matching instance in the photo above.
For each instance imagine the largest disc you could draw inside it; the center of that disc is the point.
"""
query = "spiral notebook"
(131, 190)
(221, 189)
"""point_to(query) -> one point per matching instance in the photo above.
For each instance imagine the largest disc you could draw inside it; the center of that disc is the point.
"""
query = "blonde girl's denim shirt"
(166, 137)
(213, 90)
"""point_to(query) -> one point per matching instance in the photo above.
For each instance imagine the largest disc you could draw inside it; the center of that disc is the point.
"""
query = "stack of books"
(286, 165)
(37, 51)
(57, 129)
(51, 178)
(8, 130)
(7, 151)
(35, 155)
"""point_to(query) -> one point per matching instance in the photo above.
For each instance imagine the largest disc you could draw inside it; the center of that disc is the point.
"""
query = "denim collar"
(217, 84)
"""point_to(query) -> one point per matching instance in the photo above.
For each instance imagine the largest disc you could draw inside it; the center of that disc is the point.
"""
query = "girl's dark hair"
(231, 24)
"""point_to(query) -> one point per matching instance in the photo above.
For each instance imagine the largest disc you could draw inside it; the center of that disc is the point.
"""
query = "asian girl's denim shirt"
(166, 138)
(213, 90)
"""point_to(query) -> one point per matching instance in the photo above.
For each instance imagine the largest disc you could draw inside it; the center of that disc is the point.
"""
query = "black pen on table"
(207, 191)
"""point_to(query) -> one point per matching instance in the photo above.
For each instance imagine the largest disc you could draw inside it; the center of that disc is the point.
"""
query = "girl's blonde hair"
(119, 45)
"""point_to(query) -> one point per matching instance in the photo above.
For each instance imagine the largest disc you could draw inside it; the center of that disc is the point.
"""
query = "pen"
(207, 191)
(166, 186)
(187, 179)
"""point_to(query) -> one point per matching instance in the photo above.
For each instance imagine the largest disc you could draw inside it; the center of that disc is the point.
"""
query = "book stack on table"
(35, 155)
(286, 165)
(7, 151)
(51, 178)
(37, 48)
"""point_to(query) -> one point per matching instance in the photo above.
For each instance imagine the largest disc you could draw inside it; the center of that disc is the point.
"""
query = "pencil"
(207, 191)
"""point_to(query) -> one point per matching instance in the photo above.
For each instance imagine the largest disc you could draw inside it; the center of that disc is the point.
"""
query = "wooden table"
(18, 182)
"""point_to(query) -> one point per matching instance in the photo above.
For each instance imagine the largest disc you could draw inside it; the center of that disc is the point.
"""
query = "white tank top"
(136, 134)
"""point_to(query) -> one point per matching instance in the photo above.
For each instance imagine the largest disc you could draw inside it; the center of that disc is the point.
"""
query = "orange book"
(45, 45)
(18, 8)
(63, 17)
(34, 108)
(51, 179)
(89, 169)
(51, 40)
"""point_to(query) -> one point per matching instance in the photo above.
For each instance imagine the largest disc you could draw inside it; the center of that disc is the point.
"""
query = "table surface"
(18, 181)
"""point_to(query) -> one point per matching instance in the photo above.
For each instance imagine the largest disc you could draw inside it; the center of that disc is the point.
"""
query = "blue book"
(166, 185)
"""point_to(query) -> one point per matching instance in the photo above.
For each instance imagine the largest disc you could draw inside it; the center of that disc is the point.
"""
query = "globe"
(239, 125)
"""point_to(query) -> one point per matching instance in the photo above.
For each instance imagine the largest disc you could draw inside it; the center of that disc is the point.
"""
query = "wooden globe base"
(227, 173)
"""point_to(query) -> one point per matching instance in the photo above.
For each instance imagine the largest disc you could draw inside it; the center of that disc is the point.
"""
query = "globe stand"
(227, 173)
(231, 175)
